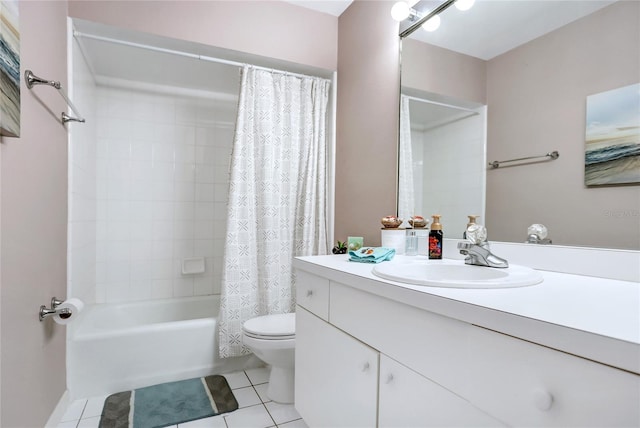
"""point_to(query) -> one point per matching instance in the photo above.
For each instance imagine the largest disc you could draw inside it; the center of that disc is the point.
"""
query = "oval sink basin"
(455, 274)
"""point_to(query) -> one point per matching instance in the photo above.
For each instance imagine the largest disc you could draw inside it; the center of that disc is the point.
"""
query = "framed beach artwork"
(9, 69)
(612, 150)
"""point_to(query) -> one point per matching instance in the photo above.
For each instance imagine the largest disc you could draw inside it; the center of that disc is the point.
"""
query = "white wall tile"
(204, 192)
(185, 153)
(204, 173)
(183, 287)
(140, 289)
(141, 270)
(183, 229)
(162, 268)
(205, 155)
(151, 190)
(205, 136)
(162, 249)
(185, 172)
(184, 248)
(204, 210)
(203, 247)
(161, 288)
(203, 285)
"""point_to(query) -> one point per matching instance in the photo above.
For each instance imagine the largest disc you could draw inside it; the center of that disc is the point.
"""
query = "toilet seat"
(271, 327)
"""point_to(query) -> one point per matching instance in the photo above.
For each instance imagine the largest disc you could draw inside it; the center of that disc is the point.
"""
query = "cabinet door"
(408, 399)
(336, 376)
(525, 384)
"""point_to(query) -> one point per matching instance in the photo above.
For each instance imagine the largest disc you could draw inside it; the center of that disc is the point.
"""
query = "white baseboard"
(59, 411)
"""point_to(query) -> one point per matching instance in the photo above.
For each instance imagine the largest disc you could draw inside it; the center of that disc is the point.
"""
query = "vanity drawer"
(313, 293)
(525, 384)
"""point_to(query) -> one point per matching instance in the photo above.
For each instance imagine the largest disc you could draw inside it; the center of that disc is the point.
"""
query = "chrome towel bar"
(32, 80)
(549, 156)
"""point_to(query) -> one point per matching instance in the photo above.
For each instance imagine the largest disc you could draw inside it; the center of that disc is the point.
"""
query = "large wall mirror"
(509, 80)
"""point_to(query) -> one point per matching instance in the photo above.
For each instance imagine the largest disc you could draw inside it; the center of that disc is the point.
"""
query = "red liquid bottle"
(435, 239)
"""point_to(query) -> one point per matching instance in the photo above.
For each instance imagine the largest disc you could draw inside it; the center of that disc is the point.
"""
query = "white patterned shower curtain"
(406, 202)
(277, 197)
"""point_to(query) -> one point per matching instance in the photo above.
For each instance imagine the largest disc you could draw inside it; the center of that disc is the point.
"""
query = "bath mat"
(168, 403)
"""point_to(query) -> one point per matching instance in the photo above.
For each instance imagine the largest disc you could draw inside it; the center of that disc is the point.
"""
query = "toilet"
(272, 338)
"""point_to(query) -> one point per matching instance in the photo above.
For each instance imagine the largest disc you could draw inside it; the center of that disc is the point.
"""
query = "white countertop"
(595, 318)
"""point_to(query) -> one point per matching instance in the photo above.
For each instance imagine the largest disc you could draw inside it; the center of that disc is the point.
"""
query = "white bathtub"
(118, 347)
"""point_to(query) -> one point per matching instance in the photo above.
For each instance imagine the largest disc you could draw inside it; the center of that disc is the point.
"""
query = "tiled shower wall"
(148, 188)
(81, 250)
(450, 153)
(162, 168)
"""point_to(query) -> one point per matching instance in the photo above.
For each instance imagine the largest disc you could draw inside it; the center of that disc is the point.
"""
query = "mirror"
(521, 72)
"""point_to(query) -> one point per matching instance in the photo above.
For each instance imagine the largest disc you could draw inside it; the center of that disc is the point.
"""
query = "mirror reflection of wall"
(535, 91)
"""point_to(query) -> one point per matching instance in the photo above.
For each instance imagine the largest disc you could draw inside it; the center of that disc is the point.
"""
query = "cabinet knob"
(389, 378)
(309, 293)
(365, 367)
(542, 399)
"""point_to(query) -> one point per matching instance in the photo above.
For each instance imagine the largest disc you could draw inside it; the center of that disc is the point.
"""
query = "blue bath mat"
(168, 403)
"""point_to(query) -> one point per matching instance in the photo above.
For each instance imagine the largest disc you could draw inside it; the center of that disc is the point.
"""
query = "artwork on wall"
(9, 69)
(612, 149)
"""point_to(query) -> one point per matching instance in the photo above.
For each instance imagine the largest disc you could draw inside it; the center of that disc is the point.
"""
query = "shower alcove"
(148, 183)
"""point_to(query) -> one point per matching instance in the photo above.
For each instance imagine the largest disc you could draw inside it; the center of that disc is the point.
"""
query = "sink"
(455, 274)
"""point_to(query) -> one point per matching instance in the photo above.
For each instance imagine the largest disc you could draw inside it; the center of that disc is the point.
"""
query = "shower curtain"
(406, 203)
(277, 196)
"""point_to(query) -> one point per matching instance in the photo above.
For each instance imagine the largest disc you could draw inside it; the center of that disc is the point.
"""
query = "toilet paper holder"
(49, 312)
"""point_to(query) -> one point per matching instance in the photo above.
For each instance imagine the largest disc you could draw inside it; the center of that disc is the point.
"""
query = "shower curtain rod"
(422, 100)
(189, 55)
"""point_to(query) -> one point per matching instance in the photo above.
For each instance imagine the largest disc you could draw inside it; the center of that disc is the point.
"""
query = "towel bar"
(32, 80)
(549, 156)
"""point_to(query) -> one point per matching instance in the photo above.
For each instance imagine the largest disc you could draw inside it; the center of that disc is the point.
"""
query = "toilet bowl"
(272, 339)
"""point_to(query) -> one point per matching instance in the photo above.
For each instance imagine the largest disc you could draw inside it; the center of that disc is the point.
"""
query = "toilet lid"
(277, 326)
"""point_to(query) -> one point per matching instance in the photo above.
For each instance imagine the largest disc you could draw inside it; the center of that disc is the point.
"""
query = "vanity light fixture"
(403, 9)
(400, 11)
(429, 21)
(432, 24)
(464, 4)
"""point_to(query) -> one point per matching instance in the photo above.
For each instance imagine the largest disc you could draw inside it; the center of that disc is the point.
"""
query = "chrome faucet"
(479, 255)
(476, 248)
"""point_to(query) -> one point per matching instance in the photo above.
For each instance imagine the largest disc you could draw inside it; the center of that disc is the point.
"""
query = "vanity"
(375, 352)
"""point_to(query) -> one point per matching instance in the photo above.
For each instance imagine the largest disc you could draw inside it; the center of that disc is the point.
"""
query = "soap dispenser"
(435, 239)
(472, 220)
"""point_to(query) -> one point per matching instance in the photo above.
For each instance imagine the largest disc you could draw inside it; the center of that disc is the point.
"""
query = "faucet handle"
(477, 234)
(537, 234)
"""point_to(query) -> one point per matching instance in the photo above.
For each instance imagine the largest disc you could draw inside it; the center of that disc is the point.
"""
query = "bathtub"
(119, 347)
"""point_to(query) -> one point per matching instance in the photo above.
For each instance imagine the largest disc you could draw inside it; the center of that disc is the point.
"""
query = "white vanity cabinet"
(408, 399)
(364, 359)
(336, 375)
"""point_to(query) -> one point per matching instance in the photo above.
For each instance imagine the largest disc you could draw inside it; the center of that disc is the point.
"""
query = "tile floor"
(249, 387)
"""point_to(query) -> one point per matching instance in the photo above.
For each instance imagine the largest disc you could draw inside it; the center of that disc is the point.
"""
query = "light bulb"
(400, 11)
(464, 4)
(432, 24)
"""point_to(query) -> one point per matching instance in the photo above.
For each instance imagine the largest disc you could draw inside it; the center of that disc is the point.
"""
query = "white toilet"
(272, 338)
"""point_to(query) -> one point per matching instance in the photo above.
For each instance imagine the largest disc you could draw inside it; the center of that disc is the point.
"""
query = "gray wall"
(34, 226)
(433, 69)
(367, 120)
(548, 80)
(272, 29)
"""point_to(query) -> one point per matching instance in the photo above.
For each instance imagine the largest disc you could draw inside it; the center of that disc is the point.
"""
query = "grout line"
(86, 401)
